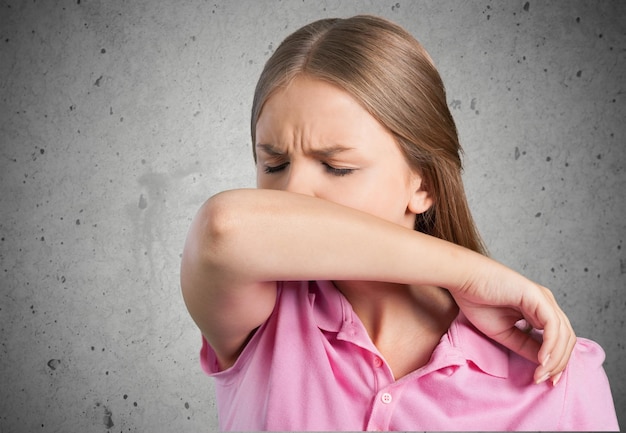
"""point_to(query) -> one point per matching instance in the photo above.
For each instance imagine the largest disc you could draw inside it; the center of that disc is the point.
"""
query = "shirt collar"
(462, 342)
(474, 346)
(330, 308)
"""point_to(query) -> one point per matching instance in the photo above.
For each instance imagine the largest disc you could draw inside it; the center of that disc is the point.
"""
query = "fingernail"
(556, 379)
(543, 378)
(545, 360)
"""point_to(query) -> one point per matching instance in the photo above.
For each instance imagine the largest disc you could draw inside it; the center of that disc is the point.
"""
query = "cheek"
(381, 197)
(265, 181)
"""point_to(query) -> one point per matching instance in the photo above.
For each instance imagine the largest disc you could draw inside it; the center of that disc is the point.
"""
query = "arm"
(242, 241)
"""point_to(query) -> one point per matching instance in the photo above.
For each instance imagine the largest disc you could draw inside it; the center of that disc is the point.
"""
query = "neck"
(404, 322)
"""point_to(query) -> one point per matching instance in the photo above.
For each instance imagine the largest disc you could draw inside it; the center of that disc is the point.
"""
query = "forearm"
(264, 235)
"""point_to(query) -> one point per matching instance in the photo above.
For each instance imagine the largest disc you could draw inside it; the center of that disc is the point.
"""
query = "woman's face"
(313, 138)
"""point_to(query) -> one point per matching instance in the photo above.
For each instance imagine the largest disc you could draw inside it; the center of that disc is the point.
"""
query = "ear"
(421, 199)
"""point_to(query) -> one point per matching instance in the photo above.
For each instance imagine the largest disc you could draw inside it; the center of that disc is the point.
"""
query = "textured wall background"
(119, 118)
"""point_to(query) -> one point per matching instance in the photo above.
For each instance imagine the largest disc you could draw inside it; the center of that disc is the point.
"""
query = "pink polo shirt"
(312, 366)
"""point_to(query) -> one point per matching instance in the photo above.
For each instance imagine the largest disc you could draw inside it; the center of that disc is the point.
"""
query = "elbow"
(213, 234)
(208, 261)
(218, 216)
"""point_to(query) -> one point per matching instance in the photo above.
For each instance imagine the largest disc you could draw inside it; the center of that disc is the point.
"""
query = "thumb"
(525, 343)
(520, 341)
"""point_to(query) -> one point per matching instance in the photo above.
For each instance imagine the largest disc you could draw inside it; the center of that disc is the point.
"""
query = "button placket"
(383, 409)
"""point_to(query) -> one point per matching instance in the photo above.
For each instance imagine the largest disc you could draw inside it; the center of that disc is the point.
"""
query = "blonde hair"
(389, 72)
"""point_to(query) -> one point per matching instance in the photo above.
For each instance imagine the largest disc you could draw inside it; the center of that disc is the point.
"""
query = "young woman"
(351, 290)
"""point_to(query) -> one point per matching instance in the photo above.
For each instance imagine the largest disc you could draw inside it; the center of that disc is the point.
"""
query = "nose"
(299, 181)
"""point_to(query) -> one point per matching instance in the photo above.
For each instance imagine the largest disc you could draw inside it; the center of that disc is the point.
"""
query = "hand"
(498, 298)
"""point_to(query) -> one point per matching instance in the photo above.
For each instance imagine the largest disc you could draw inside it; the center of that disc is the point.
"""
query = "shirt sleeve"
(588, 403)
(208, 358)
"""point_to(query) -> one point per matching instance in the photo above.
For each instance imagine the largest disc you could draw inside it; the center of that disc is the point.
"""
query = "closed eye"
(275, 169)
(337, 171)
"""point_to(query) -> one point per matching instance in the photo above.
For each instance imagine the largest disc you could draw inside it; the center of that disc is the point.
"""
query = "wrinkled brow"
(325, 152)
(269, 149)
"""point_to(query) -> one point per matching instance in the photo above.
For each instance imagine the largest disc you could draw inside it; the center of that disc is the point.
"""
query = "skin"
(315, 139)
(337, 201)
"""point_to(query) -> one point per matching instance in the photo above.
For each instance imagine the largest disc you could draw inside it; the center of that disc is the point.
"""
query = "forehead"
(316, 109)
(309, 95)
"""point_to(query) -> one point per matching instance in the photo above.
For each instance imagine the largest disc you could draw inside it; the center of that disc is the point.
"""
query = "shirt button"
(386, 398)
(378, 362)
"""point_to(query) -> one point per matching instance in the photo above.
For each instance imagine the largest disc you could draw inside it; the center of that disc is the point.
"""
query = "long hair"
(392, 76)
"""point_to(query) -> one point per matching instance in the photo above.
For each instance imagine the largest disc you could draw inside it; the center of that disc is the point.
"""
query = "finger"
(554, 370)
(548, 317)
(556, 378)
(566, 350)
(520, 342)
(552, 347)
(558, 343)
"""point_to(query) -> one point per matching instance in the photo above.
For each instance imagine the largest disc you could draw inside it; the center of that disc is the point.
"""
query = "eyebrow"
(269, 149)
(325, 152)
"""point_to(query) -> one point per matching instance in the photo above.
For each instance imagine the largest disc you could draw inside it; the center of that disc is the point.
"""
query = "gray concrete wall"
(119, 118)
